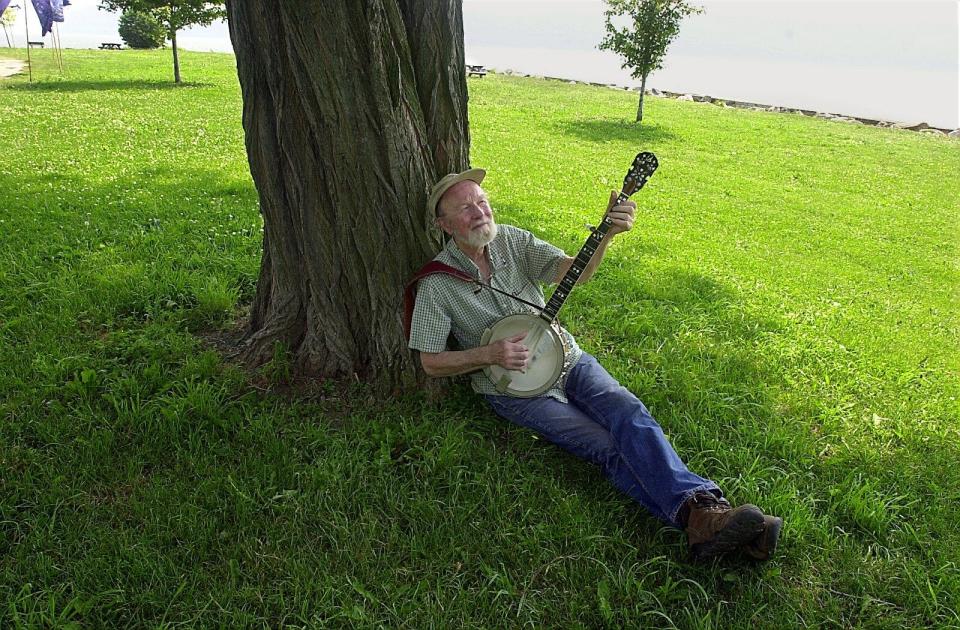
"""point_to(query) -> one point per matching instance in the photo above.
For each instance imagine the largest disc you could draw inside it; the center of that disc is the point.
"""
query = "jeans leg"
(638, 438)
(570, 428)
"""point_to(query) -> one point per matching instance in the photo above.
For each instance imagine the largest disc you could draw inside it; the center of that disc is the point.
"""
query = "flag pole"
(56, 40)
(26, 24)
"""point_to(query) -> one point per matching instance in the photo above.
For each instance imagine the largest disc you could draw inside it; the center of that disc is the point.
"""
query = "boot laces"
(709, 502)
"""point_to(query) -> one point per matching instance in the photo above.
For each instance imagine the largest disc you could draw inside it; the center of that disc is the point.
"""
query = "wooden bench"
(34, 44)
(480, 71)
(109, 46)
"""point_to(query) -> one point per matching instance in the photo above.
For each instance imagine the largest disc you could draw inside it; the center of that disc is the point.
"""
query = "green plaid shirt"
(519, 262)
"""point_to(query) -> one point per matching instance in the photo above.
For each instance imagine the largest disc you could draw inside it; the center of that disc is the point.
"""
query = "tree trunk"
(643, 91)
(351, 112)
(176, 59)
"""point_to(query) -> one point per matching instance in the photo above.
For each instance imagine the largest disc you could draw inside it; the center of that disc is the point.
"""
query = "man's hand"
(622, 215)
(509, 353)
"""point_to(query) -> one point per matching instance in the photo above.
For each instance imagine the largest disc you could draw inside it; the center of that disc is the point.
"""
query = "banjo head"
(547, 354)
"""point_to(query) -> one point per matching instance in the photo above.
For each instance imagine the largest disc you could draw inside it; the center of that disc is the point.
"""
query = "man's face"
(465, 214)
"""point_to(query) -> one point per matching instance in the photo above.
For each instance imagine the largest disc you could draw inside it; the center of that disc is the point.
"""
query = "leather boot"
(713, 527)
(763, 546)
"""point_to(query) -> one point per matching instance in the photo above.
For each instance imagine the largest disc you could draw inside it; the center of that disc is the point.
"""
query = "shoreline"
(921, 126)
(10, 67)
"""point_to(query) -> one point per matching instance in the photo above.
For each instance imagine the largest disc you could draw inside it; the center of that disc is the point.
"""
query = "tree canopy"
(140, 30)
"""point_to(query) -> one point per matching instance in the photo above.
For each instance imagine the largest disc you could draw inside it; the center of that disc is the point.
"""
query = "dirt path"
(10, 67)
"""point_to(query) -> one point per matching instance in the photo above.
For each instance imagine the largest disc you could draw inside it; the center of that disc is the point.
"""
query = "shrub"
(140, 30)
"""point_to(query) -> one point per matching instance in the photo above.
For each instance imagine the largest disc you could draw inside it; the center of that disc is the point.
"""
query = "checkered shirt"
(519, 262)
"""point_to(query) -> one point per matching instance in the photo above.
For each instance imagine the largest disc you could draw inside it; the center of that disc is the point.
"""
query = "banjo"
(547, 347)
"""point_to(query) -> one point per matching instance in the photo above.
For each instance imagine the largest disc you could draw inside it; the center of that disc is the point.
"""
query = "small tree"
(7, 18)
(655, 24)
(140, 30)
(174, 15)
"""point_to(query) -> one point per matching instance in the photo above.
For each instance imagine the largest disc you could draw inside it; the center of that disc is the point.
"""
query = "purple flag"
(44, 14)
(56, 7)
(3, 5)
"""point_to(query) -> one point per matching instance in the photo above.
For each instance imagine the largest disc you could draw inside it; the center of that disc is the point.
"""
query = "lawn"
(787, 306)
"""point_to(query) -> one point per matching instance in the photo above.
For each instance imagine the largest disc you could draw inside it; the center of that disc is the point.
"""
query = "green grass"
(787, 306)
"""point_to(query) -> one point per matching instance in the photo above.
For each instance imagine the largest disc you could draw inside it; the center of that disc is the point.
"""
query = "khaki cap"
(473, 175)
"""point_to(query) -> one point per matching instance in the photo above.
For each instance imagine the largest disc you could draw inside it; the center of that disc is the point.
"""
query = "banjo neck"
(549, 350)
(590, 247)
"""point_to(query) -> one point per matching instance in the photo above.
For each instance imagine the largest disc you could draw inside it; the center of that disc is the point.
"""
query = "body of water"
(866, 91)
(884, 59)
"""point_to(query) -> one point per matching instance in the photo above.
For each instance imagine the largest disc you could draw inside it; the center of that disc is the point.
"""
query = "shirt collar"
(496, 255)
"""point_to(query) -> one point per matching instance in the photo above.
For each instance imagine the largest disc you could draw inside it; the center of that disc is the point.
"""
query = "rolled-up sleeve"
(430, 328)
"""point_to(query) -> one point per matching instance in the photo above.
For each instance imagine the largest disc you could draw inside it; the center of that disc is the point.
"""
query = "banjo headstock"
(640, 171)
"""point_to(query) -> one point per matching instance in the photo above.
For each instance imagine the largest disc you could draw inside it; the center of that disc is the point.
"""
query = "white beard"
(482, 236)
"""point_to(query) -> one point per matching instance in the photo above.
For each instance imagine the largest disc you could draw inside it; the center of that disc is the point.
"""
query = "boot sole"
(763, 547)
(744, 527)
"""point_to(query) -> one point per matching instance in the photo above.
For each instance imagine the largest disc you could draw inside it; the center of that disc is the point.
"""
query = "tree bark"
(351, 111)
(643, 91)
(176, 59)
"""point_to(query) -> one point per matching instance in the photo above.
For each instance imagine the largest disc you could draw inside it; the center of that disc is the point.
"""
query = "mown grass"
(787, 306)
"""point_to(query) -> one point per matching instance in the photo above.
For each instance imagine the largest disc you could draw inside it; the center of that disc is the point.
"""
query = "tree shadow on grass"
(104, 86)
(682, 340)
(620, 130)
(694, 350)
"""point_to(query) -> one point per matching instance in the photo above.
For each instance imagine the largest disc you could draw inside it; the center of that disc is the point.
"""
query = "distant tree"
(174, 15)
(654, 25)
(140, 30)
(7, 18)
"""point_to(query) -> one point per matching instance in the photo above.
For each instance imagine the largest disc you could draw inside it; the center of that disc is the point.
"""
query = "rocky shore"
(920, 127)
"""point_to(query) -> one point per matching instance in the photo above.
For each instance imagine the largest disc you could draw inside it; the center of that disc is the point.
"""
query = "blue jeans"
(606, 424)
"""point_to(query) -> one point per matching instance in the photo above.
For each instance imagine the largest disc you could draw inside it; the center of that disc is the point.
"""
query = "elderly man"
(586, 412)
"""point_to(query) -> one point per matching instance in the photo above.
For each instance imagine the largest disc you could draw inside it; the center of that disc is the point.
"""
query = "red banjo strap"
(410, 292)
(432, 267)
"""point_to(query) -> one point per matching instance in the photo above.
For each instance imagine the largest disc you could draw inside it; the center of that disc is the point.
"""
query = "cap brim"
(473, 175)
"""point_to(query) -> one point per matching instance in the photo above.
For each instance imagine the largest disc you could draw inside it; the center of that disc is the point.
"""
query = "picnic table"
(480, 71)
(34, 44)
(109, 46)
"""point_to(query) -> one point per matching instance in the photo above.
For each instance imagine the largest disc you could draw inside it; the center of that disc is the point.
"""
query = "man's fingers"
(517, 338)
(613, 200)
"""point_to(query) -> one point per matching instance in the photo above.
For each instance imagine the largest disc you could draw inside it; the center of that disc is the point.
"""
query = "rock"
(933, 132)
(955, 134)
(685, 97)
(911, 126)
(702, 99)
